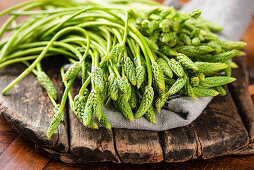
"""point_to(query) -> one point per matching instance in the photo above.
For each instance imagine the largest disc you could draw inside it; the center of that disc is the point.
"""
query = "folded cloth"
(234, 16)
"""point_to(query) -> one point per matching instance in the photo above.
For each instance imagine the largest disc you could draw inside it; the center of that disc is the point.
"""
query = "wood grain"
(241, 95)
(219, 129)
(179, 144)
(63, 157)
(28, 109)
(7, 135)
(138, 146)
(21, 155)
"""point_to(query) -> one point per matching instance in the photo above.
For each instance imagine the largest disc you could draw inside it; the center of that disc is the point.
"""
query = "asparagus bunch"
(130, 59)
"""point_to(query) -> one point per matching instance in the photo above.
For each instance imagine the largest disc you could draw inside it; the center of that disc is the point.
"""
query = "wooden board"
(241, 95)
(7, 135)
(28, 109)
(25, 156)
(218, 131)
(138, 146)
(179, 144)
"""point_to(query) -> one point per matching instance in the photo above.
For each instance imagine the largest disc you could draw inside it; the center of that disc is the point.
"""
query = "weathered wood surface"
(179, 144)
(63, 157)
(219, 129)
(90, 145)
(222, 131)
(241, 95)
(247, 150)
(138, 146)
(28, 109)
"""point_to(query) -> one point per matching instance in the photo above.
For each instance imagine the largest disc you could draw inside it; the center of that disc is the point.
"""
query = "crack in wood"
(114, 140)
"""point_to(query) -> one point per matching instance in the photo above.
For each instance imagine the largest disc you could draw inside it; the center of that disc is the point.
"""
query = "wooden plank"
(21, 155)
(247, 150)
(90, 145)
(231, 162)
(138, 146)
(63, 157)
(241, 95)
(55, 165)
(219, 129)
(28, 109)
(179, 144)
(7, 135)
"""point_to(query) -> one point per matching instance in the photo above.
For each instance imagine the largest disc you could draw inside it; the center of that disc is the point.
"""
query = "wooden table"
(17, 152)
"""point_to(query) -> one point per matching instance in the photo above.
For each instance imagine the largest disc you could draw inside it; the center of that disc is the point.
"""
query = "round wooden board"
(28, 109)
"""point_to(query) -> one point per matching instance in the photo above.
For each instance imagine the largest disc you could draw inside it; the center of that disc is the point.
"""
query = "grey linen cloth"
(234, 16)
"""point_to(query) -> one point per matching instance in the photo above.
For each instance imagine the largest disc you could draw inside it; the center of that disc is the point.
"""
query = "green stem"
(77, 20)
(118, 35)
(83, 88)
(60, 44)
(34, 28)
(3, 42)
(27, 64)
(147, 52)
(108, 37)
(88, 45)
(66, 92)
(110, 69)
(72, 61)
(52, 100)
(65, 84)
(163, 56)
(12, 39)
(12, 18)
(83, 72)
(17, 60)
(96, 58)
(16, 7)
(12, 28)
(141, 37)
(94, 62)
(43, 12)
(40, 57)
(114, 41)
(38, 50)
(126, 27)
(98, 39)
(86, 83)
(96, 45)
(138, 55)
(76, 14)
(38, 66)
(115, 69)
